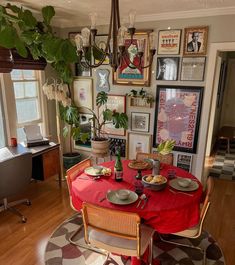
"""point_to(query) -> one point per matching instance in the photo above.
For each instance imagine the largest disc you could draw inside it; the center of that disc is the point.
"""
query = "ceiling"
(74, 13)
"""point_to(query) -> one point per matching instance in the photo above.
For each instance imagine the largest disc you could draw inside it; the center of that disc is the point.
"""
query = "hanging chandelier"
(117, 48)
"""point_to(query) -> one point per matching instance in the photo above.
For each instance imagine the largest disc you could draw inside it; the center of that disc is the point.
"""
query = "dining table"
(167, 211)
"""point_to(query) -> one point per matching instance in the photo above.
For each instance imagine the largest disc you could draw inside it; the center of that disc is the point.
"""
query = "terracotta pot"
(100, 147)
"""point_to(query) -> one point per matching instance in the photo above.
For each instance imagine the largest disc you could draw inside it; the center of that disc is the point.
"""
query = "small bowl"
(154, 186)
(184, 182)
(123, 194)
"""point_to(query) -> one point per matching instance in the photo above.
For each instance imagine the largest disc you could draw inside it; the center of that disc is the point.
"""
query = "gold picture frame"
(195, 41)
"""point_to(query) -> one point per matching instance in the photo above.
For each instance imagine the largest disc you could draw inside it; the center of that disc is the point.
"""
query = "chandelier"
(117, 49)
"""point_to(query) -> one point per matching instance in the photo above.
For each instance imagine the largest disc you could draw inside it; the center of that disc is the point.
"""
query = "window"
(28, 106)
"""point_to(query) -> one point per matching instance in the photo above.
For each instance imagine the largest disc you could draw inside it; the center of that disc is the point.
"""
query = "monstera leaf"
(166, 147)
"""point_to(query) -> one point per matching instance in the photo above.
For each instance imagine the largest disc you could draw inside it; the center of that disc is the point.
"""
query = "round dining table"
(167, 210)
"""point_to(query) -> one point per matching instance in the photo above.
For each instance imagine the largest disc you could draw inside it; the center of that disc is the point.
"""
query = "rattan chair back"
(167, 159)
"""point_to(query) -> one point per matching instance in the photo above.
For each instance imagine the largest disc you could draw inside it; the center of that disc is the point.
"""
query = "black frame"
(134, 130)
(187, 112)
(169, 62)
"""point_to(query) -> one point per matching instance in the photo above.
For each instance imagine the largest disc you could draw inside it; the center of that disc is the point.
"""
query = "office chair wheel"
(23, 219)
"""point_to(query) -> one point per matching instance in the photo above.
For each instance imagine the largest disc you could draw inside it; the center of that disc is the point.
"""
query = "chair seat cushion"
(120, 245)
(190, 232)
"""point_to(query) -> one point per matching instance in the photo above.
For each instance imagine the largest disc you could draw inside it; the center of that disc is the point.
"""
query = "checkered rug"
(223, 166)
(60, 252)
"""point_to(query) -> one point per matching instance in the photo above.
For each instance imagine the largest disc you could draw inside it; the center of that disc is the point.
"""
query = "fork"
(145, 201)
(175, 192)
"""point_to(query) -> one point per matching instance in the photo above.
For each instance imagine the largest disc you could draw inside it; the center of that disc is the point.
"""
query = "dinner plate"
(174, 184)
(112, 197)
(94, 171)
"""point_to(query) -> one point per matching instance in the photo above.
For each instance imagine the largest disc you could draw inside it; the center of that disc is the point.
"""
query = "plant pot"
(100, 147)
(71, 159)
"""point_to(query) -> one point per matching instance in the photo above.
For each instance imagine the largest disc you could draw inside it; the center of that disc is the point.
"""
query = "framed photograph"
(167, 68)
(193, 68)
(126, 75)
(83, 92)
(195, 41)
(169, 41)
(118, 103)
(101, 41)
(178, 110)
(138, 143)
(140, 121)
(117, 143)
(102, 80)
(85, 125)
(184, 161)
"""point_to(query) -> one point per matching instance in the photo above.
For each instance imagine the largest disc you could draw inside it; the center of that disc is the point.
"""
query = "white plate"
(94, 171)
(174, 184)
(112, 197)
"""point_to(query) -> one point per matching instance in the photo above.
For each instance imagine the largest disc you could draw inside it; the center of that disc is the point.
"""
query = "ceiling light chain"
(115, 47)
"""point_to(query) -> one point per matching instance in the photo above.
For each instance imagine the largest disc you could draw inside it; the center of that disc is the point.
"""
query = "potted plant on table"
(164, 150)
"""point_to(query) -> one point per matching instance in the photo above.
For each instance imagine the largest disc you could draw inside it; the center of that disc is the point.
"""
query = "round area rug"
(60, 251)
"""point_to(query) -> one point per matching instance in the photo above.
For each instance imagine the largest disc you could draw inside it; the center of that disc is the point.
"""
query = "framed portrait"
(184, 161)
(126, 75)
(193, 68)
(83, 92)
(118, 103)
(140, 121)
(169, 41)
(102, 80)
(167, 68)
(86, 126)
(101, 41)
(138, 143)
(195, 41)
(178, 110)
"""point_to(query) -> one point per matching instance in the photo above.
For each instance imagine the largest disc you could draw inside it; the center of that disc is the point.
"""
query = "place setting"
(96, 172)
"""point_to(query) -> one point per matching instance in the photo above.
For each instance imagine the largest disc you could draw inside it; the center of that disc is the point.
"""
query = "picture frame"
(134, 77)
(80, 70)
(138, 143)
(195, 41)
(167, 68)
(117, 143)
(101, 40)
(184, 161)
(169, 41)
(192, 68)
(86, 127)
(102, 80)
(140, 121)
(118, 103)
(178, 110)
(83, 92)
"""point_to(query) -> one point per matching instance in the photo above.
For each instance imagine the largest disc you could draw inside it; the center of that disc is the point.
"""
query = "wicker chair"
(116, 232)
(195, 232)
(71, 175)
(167, 159)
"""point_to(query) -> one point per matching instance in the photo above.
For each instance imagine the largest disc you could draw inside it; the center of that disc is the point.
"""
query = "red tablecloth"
(165, 211)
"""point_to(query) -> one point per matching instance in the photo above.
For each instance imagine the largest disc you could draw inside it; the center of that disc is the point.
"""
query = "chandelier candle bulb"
(93, 17)
(140, 44)
(85, 37)
(132, 15)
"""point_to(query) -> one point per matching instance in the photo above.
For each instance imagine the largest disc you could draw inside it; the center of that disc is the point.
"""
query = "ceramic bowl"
(123, 194)
(154, 186)
(184, 182)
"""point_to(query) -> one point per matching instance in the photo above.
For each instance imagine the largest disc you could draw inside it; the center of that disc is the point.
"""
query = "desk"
(165, 211)
(46, 159)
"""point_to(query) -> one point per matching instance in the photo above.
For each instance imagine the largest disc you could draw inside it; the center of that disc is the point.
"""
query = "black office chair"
(15, 175)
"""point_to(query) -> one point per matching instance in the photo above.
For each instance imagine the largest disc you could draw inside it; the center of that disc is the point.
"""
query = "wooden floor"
(24, 244)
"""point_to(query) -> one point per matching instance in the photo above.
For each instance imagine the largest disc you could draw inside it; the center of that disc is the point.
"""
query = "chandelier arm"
(118, 14)
(130, 64)
(110, 27)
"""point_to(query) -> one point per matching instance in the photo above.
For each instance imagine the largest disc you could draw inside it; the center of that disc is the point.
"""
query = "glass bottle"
(118, 169)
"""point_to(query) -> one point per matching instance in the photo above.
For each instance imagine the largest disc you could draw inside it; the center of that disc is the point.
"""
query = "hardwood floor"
(24, 244)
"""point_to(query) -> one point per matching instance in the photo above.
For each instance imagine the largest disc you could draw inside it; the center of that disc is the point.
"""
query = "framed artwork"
(83, 92)
(169, 41)
(140, 121)
(193, 68)
(102, 80)
(85, 125)
(101, 41)
(184, 161)
(139, 102)
(118, 103)
(117, 143)
(195, 41)
(125, 75)
(167, 68)
(178, 110)
(138, 143)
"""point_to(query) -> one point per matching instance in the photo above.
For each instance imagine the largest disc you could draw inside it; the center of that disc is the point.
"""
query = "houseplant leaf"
(166, 147)
(101, 98)
(48, 13)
